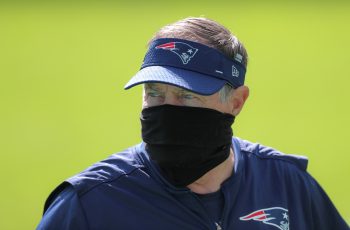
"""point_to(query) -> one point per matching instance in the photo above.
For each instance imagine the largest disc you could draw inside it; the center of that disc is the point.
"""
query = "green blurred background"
(63, 68)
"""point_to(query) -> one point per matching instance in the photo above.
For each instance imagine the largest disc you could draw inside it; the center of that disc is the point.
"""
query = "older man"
(190, 172)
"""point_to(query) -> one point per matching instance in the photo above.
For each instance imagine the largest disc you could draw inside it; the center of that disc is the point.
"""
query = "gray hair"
(226, 92)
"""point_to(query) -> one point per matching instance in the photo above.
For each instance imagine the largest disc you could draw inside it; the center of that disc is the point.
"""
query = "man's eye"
(188, 96)
(153, 94)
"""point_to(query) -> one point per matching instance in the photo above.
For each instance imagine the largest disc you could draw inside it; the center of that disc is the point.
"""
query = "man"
(189, 172)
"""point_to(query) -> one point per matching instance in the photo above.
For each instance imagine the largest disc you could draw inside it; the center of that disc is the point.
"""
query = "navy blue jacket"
(268, 191)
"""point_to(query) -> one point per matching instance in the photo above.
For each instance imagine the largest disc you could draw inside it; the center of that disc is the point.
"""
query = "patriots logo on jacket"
(181, 49)
(275, 216)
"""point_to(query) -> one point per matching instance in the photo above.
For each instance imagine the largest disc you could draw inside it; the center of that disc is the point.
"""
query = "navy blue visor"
(189, 65)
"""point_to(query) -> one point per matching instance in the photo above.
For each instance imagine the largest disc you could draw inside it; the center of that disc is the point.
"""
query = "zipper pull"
(218, 227)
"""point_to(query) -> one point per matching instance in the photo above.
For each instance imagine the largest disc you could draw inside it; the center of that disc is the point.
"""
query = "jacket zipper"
(218, 227)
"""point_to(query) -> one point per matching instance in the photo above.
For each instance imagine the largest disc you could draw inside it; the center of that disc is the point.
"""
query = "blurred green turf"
(63, 106)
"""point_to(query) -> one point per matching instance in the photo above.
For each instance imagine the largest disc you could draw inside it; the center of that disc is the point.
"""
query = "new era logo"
(235, 72)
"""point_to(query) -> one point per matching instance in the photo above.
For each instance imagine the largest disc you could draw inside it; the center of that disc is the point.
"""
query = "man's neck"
(212, 180)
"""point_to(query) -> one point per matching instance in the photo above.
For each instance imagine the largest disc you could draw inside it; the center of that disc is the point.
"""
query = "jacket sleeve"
(64, 212)
(324, 214)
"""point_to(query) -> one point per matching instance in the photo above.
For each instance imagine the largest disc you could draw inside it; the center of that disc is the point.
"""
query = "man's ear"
(239, 97)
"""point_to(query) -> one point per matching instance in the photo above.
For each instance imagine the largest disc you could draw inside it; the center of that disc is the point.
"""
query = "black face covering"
(186, 142)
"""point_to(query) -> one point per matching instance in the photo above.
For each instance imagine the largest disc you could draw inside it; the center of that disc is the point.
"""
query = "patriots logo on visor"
(181, 49)
(275, 216)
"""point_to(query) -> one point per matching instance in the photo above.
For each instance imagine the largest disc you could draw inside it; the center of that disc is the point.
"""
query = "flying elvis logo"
(181, 49)
(275, 216)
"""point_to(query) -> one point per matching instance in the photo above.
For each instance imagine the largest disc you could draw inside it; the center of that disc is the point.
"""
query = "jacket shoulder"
(114, 167)
(267, 153)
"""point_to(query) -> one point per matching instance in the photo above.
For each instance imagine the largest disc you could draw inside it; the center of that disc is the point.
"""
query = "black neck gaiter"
(186, 142)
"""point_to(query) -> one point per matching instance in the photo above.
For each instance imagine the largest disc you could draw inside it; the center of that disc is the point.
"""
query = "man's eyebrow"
(187, 91)
(150, 86)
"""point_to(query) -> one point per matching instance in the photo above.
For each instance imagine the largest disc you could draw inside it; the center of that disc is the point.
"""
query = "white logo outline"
(260, 215)
(185, 58)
